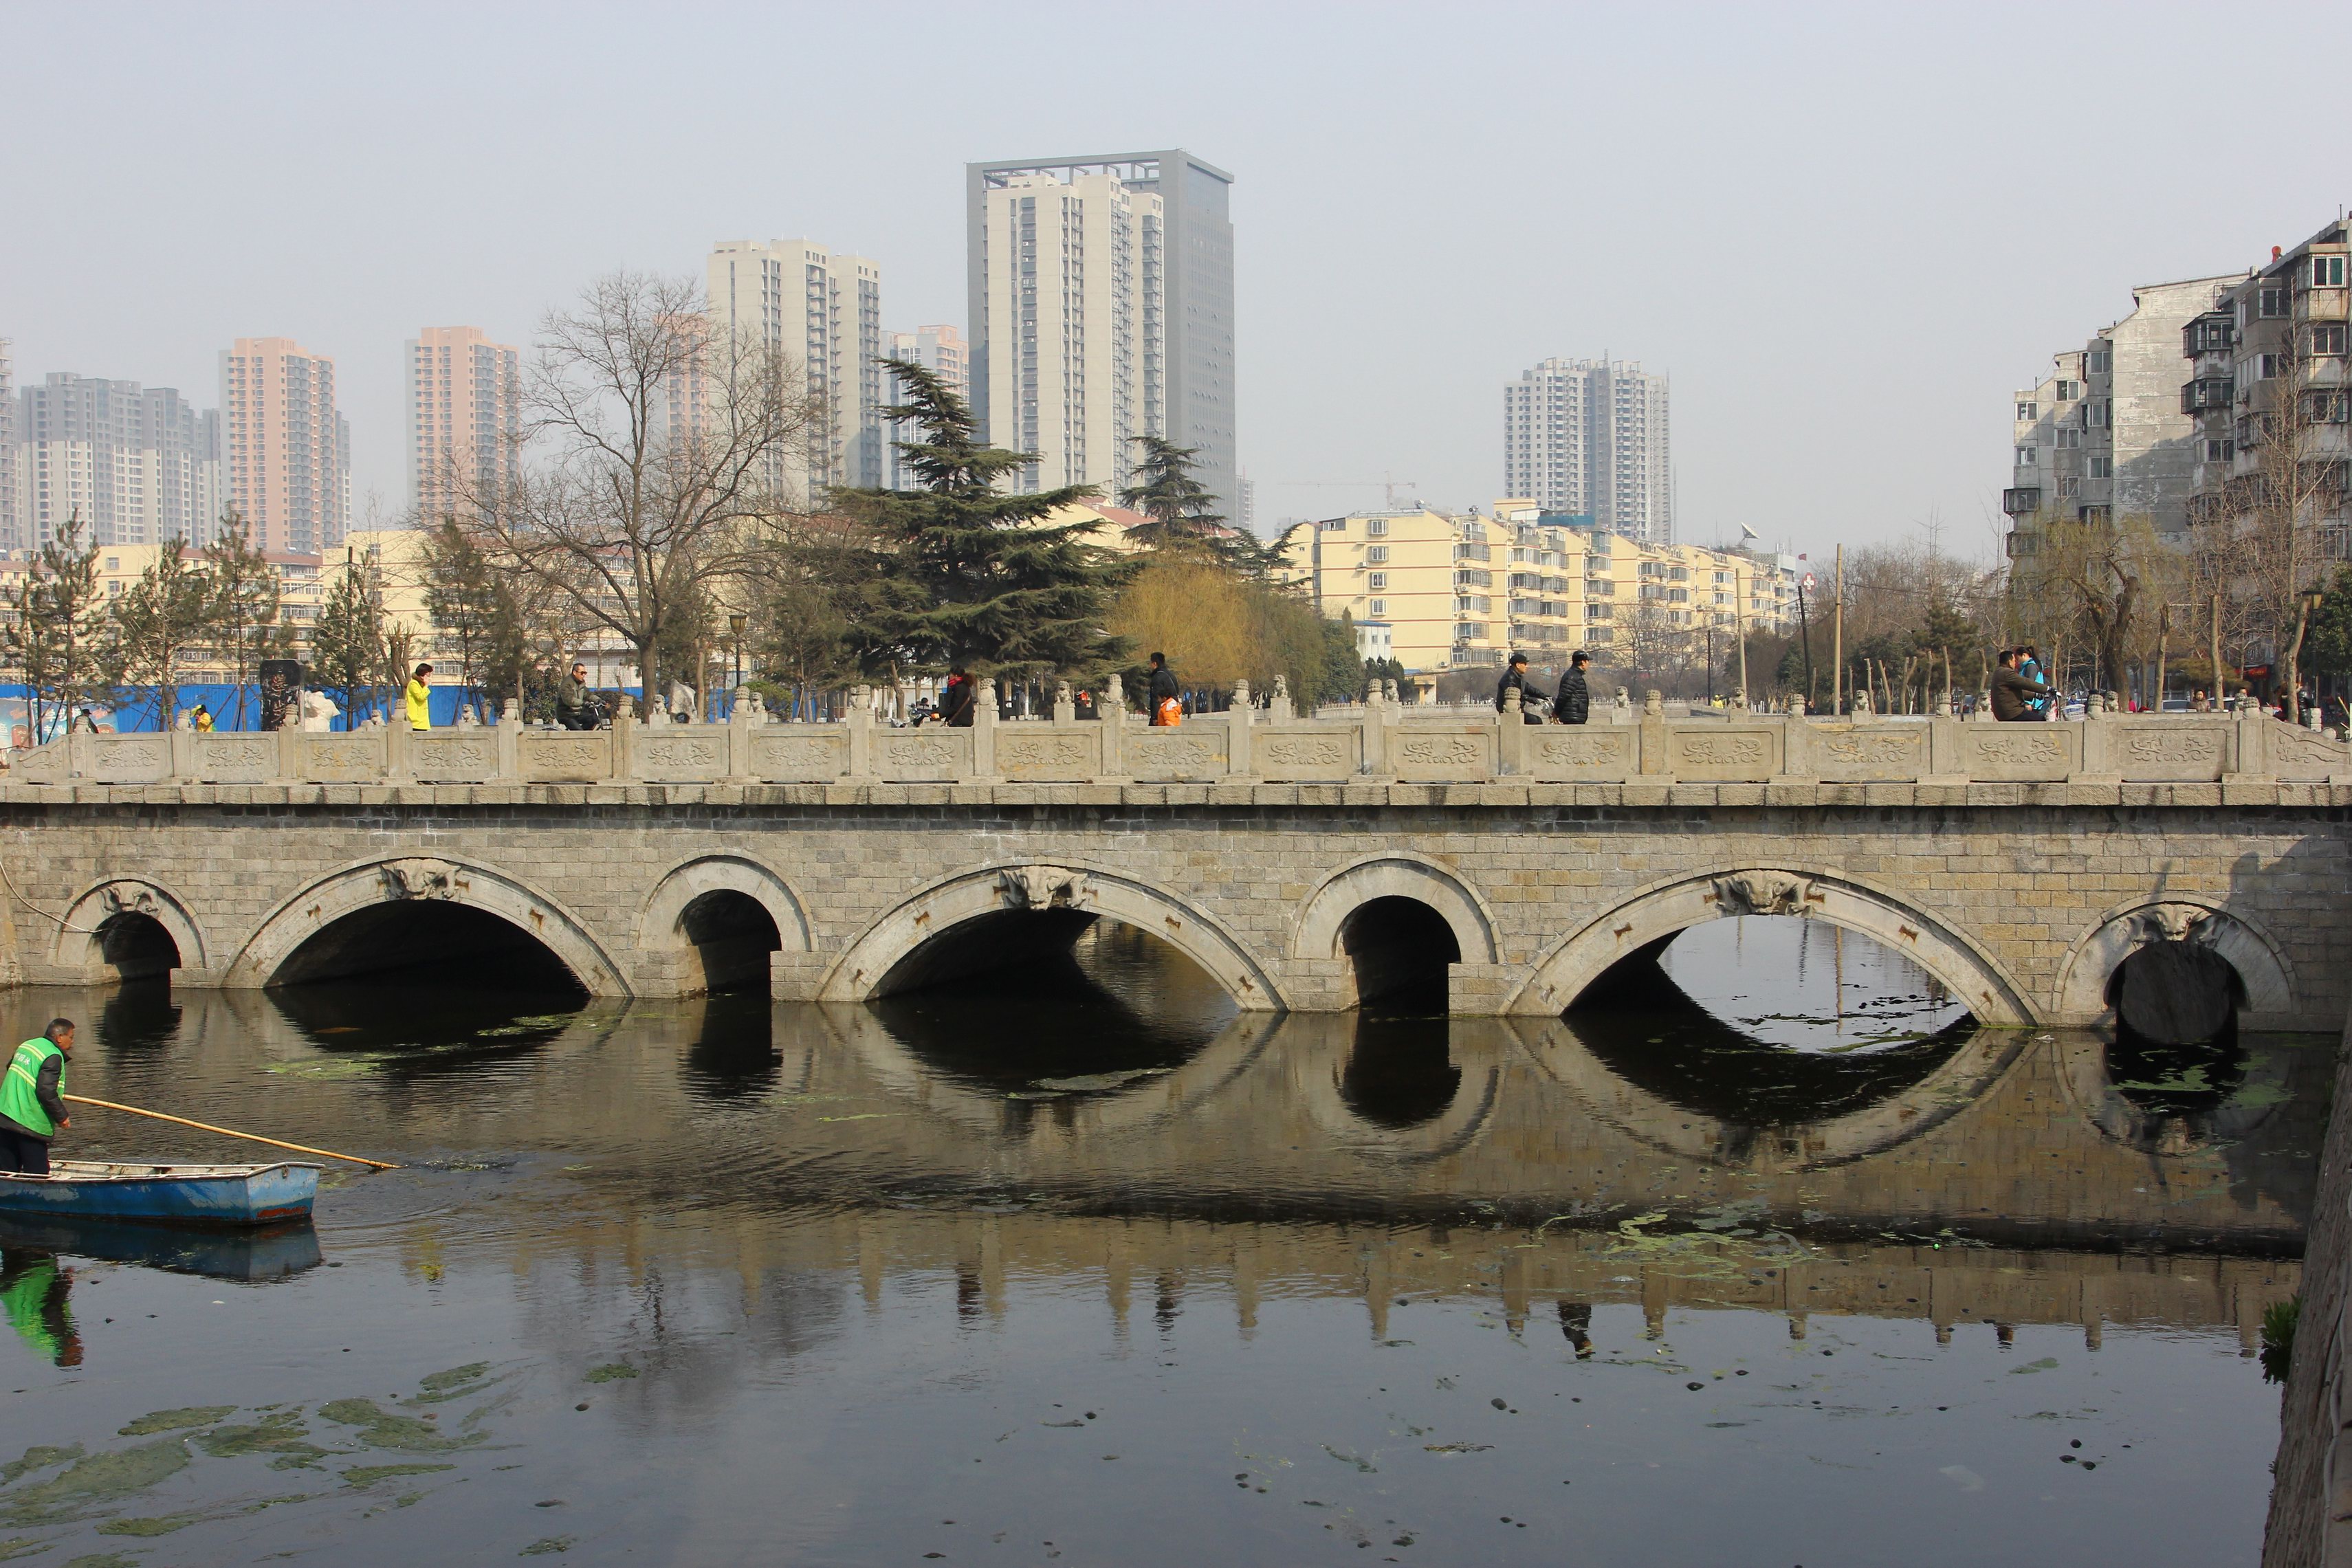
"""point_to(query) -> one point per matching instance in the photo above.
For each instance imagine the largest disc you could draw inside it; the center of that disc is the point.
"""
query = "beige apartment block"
(119, 567)
(1448, 592)
(2106, 435)
(465, 418)
(12, 497)
(824, 313)
(286, 451)
(1074, 321)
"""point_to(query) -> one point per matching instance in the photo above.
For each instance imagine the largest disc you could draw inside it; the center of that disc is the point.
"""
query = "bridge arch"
(418, 880)
(1389, 916)
(2262, 964)
(715, 918)
(128, 927)
(1666, 907)
(889, 954)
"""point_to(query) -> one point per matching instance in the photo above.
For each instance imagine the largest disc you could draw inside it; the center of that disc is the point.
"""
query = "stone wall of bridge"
(2021, 897)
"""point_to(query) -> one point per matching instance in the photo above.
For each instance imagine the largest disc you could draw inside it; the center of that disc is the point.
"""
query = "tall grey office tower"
(1102, 309)
(1592, 436)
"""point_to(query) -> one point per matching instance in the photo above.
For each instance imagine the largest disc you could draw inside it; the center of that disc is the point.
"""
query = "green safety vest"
(18, 1102)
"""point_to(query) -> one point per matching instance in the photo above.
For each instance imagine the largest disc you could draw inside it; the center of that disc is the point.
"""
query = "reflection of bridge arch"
(887, 956)
(1664, 908)
(1957, 1082)
(1231, 1053)
(420, 881)
(91, 938)
(1317, 1049)
(2262, 964)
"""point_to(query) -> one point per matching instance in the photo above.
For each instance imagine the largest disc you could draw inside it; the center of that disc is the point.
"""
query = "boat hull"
(238, 1196)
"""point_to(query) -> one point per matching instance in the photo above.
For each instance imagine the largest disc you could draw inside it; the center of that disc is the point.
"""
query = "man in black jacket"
(1515, 677)
(2014, 692)
(958, 698)
(1575, 702)
(1163, 691)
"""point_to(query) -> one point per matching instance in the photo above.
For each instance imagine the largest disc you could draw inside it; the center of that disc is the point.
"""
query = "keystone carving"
(1041, 887)
(2173, 923)
(420, 878)
(1761, 893)
(129, 898)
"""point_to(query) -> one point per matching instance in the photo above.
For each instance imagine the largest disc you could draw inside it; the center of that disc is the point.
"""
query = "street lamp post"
(735, 625)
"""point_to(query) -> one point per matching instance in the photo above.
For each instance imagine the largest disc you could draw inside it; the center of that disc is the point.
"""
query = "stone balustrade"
(1382, 742)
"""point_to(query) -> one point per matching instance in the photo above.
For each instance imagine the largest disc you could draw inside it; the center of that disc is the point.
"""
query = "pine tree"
(1178, 505)
(157, 621)
(347, 641)
(243, 617)
(964, 575)
(54, 632)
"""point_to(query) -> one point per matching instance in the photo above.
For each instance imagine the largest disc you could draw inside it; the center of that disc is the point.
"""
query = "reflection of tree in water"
(1643, 1028)
(733, 1054)
(1119, 1002)
(33, 1288)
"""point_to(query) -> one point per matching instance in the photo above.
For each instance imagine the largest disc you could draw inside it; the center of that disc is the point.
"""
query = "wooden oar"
(233, 1132)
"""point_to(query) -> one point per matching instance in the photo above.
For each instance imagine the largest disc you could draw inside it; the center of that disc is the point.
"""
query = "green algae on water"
(369, 1475)
(176, 1420)
(165, 1523)
(611, 1373)
(380, 1428)
(18, 1546)
(547, 1547)
(280, 1434)
(37, 1459)
(91, 1486)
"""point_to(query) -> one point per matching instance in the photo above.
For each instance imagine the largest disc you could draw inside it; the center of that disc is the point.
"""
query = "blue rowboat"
(170, 1194)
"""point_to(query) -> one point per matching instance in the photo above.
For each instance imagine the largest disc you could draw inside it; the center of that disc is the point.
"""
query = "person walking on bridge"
(31, 1099)
(1574, 704)
(420, 698)
(1164, 696)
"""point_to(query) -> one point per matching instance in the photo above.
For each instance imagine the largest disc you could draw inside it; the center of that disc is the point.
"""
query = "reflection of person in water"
(1576, 1326)
(33, 1291)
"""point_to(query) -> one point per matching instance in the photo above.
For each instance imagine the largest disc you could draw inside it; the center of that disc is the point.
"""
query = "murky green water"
(1027, 1272)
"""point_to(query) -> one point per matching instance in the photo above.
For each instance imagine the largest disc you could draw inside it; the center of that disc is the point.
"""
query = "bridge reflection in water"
(1135, 1126)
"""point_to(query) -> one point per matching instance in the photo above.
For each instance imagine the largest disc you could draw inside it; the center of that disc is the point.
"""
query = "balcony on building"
(2211, 333)
(2022, 500)
(2204, 394)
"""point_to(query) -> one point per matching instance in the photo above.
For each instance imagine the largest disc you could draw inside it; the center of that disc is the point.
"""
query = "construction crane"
(1389, 485)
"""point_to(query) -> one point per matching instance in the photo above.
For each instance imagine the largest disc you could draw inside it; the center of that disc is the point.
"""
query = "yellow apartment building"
(1450, 592)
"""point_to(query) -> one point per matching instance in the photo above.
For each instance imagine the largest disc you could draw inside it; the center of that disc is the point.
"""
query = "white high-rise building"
(1073, 319)
(1592, 436)
(138, 465)
(939, 350)
(1101, 300)
(12, 501)
(465, 418)
(825, 312)
(286, 451)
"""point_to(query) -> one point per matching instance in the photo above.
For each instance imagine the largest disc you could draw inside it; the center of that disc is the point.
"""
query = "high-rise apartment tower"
(285, 452)
(465, 420)
(139, 465)
(939, 350)
(1102, 309)
(825, 313)
(12, 525)
(1592, 436)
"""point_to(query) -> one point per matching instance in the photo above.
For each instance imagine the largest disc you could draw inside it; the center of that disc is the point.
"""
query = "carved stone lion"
(1041, 887)
(419, 878)
(1761, 893)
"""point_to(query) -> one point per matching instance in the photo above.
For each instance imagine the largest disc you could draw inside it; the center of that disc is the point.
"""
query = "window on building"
(1380, 580)
(2272, 303)
(1379, 607)
(2328, 272)
(2327, 337)
(2102, 467)
(2099, 414)
(2326, 407)
(2067, 391)
(2068, 485)
(1377, 555)
(2027, 412)
(2219, 451)
(1376, 527)
(2268, 366)
(2099, 362)
(2070, 438)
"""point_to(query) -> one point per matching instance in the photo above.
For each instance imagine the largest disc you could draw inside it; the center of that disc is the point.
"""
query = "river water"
(1764, 1255)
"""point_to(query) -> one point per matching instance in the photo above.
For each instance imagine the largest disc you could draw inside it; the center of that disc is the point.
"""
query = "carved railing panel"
(468, 756)
(1183, 754)
(928, 756)
(564, 757)
(799, 753)
(1583, 753)
(1306, 754)
(235, 758)
(1052, 754)
(678, 754)
(1453, 753)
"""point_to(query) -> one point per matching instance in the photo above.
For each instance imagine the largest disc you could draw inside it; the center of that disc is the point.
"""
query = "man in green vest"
(31, 1099)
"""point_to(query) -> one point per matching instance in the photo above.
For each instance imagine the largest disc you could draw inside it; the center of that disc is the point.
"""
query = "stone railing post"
(1653, 732)
(509, 735)
(624, 738)
(1110, 709)
(740, 715)
(184, 749)
(399, 767)
(1238, 723)
(1065, 706)
(860, 723)
(1511, 734)
(983, 730)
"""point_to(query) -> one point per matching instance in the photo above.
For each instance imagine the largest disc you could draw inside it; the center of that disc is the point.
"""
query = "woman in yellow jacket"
(420, 699)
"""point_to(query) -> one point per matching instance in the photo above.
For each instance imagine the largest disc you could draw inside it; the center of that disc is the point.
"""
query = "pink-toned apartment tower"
(465, 418)
(286, 454)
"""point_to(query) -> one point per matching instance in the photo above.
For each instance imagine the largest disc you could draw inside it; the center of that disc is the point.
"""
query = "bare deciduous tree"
(655, 449)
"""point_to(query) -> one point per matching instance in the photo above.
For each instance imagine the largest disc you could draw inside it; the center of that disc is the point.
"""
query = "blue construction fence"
(135, 710)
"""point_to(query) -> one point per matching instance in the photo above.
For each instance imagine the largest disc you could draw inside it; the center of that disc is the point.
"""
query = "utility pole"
(2217, 653)
(1805, 636)
(1740, 626)
(1837, 639)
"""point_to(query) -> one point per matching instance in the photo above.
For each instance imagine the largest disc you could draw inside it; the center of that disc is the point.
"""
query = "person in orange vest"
(1164, 695)
(31, 1099)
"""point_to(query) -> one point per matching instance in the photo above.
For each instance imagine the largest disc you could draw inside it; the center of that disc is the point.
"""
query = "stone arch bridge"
(1303, 864)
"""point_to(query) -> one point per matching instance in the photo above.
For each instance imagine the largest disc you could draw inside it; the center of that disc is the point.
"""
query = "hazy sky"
(1846, 233)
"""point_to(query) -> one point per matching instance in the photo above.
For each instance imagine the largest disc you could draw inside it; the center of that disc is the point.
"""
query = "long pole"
(2217, 653)
(2163, 647)
(1740, 625)
(1805, 635)
(233, 1132)
(1837, 639)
